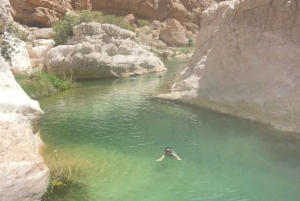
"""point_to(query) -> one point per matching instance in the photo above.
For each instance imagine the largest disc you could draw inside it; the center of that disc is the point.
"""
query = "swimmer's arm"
(161, 158)
(177, 157)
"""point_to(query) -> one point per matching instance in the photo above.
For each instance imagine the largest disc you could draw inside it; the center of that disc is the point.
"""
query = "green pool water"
(111, 133)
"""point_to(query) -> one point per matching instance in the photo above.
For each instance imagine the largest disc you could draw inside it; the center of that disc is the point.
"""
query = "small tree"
(63, 29)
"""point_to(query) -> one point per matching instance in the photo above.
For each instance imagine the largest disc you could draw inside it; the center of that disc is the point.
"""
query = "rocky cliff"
(23, 173)
(42, 13)
(187, 12)
(246, 62)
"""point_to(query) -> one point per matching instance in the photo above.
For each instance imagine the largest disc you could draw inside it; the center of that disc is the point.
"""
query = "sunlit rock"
(23, 173)
(247, 62)
(101, 51)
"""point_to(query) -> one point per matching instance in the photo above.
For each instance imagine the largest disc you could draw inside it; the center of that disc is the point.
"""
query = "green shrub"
(186, 50)
(63, 29)
(127, 26)
(42, 84)
(142, 23)
(116, 20)
(85, 16)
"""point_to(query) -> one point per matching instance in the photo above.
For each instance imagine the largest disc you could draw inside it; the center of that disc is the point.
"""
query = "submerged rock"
(246, 62)
(101, 51)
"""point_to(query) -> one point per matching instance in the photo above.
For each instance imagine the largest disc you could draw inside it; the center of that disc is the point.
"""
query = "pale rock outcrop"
(38, 51)
(23, 173)
(246, 62)
(44, 33)
(173, 34)
(4, 16)
(101, 51)
(20, 60)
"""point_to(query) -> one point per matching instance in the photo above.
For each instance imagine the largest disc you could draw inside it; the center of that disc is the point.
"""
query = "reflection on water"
(112, 131)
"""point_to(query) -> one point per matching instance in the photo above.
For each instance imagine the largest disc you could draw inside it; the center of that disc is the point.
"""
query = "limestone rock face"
(4, 15)
(23, 173)
(181, 10)
(38, 51)
(101, 51)
(39, 12)
(173, 34)
(246, 62)
(20, 60)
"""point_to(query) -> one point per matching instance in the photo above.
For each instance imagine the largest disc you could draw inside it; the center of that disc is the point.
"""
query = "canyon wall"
(42, 13)
(39, 13)
(184, 11)
(246, 62)
(23, 173)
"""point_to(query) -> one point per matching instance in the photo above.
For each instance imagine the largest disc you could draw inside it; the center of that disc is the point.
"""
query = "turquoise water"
(111, 132)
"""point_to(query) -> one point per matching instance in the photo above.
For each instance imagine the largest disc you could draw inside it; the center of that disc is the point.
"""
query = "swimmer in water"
(168, 153)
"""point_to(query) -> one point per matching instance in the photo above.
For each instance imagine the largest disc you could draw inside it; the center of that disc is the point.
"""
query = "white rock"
(247, 61)
(23, 173)
(101, 51)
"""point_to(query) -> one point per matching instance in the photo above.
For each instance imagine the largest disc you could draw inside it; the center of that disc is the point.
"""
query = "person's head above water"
(168, 153)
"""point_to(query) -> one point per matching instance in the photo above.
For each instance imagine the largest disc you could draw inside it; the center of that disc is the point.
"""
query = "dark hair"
(167, 148)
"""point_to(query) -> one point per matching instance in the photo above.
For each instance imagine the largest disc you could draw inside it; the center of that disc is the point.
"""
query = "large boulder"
(173, 34)
(101, 51)
(246, 62)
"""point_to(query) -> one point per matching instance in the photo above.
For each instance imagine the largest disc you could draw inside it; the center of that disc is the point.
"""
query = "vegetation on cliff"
(11, 41)
(63, 28)
(41, 84)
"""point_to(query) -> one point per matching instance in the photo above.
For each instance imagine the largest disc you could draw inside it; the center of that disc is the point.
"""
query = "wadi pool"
(111, 132)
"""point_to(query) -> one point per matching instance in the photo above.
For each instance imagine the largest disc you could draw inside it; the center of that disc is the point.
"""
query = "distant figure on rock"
(168, 153)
